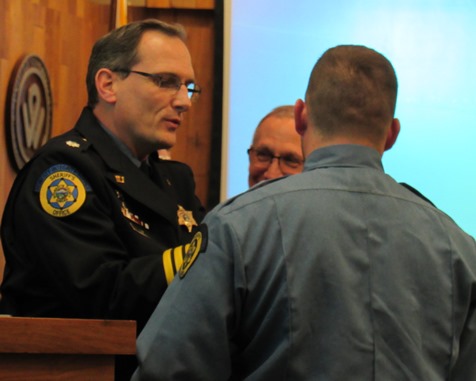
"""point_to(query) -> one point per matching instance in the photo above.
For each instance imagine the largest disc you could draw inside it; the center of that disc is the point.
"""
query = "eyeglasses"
(264, 158)
(168, 81)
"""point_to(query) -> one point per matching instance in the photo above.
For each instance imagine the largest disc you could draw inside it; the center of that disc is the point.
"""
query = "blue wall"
(432, 45)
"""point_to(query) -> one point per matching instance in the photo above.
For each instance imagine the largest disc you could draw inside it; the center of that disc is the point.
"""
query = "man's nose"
(181, 100)
(274, 170)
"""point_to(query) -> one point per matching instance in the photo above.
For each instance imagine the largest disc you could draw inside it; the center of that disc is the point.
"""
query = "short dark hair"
(352, 89)
(118, 49)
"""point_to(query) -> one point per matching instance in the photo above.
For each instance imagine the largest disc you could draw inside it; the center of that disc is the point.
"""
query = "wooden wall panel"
(190, 4)
(61, 33)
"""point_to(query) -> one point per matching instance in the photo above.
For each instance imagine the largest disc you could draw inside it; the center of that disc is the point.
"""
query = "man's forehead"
(154, 42)
(278, 147)
(276, 128)
(165, 54)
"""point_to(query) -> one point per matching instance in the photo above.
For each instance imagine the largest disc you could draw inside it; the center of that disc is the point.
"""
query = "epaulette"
(73, 143)
(259, 185)
(414, 191)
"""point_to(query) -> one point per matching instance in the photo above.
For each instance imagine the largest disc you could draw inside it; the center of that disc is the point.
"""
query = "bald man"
(276, 147)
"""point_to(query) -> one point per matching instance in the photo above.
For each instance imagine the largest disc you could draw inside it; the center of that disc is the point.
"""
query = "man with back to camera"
(337, 273)
(89, 220)
(276, 147)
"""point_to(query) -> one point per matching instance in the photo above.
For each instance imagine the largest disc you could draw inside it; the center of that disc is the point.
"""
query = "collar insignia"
(185, 218)
(120, 179)
(72, 144)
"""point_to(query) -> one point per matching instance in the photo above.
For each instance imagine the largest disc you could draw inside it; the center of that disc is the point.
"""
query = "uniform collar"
(122, 171)
(344, 155)
(122, 147)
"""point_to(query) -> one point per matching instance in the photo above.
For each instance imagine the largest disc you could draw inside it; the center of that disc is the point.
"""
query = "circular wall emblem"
(29, 110)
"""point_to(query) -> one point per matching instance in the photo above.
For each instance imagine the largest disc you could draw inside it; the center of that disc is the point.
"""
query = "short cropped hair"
(118, 49)
(352, 89)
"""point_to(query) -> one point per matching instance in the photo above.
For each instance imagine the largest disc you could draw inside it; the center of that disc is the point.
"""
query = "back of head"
(118, 49)
(352, 91)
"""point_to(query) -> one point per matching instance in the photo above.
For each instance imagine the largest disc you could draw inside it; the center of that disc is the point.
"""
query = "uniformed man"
(336, 273)
(90, 221)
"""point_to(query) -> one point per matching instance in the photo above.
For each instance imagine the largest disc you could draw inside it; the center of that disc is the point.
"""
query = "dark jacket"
(84, 229)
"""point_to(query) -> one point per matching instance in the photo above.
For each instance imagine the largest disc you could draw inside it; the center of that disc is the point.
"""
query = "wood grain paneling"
(51, 335)
(45, 349)
(61, 33)
(185, 4)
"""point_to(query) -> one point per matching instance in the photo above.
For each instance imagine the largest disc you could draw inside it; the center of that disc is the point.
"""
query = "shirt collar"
(344, 155)
(122, 147)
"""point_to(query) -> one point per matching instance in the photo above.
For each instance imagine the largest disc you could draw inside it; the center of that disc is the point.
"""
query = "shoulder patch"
(62, 190)
(197, 245)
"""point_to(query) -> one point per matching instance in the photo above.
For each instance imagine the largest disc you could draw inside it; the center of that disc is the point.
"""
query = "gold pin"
(72, 144)
(185, 217)
(120, 179)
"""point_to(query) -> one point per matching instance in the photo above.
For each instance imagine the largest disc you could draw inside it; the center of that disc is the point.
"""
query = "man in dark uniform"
(89, 219)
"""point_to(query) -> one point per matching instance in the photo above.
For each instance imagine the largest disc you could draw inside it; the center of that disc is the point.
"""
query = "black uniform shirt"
(84, 229)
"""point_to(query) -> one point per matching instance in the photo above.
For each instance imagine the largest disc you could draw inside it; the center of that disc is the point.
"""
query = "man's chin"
(253, 181)
(167, 143)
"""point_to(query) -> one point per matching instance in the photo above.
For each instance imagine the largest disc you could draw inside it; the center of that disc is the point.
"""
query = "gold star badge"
(185, 218)
(61, 193)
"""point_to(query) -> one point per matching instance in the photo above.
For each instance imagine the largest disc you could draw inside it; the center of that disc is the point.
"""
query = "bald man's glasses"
(264, 158)
(168, 81)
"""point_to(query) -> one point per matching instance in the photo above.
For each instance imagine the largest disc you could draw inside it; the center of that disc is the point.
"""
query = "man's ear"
(105, 85)
(300, 117)
(392, 134)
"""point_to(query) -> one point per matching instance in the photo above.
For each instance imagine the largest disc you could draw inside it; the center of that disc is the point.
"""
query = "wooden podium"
(41, 349)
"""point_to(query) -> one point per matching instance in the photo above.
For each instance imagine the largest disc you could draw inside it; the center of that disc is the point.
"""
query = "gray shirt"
(338, 273)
